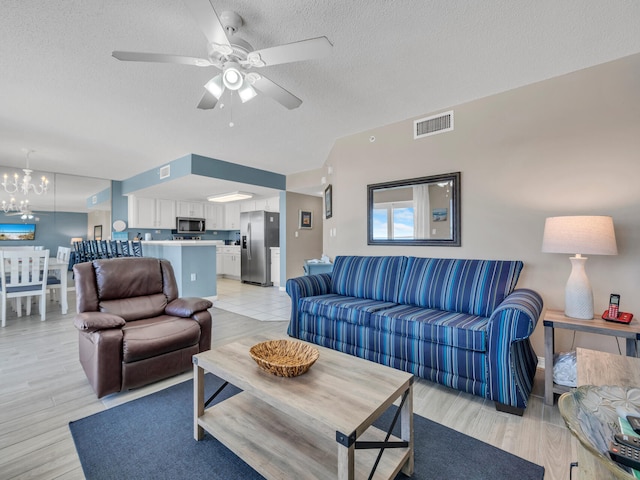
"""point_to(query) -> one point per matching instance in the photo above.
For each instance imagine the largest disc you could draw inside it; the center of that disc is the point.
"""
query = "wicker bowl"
(285, 358)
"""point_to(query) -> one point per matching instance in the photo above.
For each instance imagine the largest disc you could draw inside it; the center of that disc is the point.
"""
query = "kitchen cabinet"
(214, 216)
(232, 216)
(269, 204)
(190, 209)
(151, 212)
(230, 262)
(219, 269)
(247, 206)
(275, 266)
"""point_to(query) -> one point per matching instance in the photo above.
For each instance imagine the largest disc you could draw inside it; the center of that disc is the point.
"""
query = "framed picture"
(439, 215)
(306, 219)
(17, 231)
(328, 202)
(97, 232)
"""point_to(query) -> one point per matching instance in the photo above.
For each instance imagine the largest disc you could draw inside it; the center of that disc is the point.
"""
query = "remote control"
(628, 456)
(628, 440)
(634, 422)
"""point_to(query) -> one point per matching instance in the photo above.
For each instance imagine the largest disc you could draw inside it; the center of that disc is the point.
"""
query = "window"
(393, 220)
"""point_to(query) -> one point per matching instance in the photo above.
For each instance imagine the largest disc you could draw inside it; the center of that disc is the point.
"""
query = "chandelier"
(25, 186)
(23, 208)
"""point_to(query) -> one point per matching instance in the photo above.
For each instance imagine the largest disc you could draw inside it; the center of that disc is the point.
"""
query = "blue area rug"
(152, 438)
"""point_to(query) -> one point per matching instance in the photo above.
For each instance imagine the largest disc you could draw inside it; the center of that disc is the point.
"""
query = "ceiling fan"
(235, 58)
(24, 211)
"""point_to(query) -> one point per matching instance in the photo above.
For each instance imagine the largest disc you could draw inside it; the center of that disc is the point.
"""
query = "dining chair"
(137, 249)
(80, 253)
(54, 280)
(113, 249)
(23, 274)
(124, 246)
(91, 249)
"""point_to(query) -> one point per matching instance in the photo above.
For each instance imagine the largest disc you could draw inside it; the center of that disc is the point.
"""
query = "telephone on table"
(613, 314)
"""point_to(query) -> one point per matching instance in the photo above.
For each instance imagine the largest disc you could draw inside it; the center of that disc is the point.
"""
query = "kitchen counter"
(182, 243)
(193, 261)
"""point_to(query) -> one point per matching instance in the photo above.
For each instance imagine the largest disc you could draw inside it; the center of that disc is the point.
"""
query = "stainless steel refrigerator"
(259, 231)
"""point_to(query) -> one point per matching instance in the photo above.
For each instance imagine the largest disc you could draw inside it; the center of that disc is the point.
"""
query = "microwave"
(189, 225)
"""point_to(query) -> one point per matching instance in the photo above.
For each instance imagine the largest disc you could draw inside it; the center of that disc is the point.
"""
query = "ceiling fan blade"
(208, 101)
(275, 91)
(208, 21)
(294, 52)
(161, 58)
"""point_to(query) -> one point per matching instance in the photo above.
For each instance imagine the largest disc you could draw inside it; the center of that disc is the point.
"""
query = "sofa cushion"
(134, 308)
(376, 278)
(436, 326)
(346, 309)
(137, 278)
(156, 336)
(475, 287)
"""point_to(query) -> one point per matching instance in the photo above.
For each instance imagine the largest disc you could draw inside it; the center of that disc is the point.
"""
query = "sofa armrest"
(521, 310)
(187, 306)
(92, 321)
(307, 286)
(511, 360)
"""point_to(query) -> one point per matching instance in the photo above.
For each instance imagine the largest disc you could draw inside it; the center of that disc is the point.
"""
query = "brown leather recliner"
(133, 328)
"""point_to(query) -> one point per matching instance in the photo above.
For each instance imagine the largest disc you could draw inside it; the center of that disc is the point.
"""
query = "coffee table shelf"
(308, 425)
(279, 446)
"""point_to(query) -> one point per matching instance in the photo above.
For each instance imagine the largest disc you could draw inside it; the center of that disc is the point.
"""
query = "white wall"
(99, 217)
(565, 146)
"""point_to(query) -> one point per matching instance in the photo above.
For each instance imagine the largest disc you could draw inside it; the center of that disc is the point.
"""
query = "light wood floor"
(43, 387)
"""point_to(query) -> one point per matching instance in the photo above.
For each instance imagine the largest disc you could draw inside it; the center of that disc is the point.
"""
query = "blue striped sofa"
(457, 322)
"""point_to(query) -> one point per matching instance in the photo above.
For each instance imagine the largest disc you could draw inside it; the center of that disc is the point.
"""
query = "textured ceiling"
(85, 113)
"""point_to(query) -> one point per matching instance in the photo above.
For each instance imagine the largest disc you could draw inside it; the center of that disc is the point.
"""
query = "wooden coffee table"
(308, 426)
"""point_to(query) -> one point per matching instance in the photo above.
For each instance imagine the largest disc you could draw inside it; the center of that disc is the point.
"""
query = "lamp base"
(578, 301)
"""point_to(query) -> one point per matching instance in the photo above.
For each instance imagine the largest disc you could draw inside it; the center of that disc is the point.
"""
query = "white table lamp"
(593, 235)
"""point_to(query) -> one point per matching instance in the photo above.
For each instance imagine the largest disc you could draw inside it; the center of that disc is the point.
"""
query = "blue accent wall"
(53, 230)
(179, 168)
(103, 196)
(119, 203)
(206, 167)
(187, 260)
(283, 238)
(211, 167)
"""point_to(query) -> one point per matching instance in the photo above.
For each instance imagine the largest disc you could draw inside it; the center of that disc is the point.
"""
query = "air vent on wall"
(165, 171)
(443, 122)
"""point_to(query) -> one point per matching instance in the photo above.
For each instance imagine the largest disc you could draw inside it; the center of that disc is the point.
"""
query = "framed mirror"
(418, 211)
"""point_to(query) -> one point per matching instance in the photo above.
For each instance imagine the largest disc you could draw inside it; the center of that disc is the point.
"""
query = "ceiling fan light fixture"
(246, 93)
(215, 86)
(222, 49)
(232, 76)
(255, 60)
(230, 197)
(252, 77)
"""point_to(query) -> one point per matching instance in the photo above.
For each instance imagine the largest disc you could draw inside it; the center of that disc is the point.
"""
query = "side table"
(599, 368)
(556, 319)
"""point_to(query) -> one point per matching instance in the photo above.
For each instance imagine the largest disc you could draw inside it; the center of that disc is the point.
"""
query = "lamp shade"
(590, 235)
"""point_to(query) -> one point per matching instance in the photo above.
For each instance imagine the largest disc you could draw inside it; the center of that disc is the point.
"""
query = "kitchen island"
(193, 261)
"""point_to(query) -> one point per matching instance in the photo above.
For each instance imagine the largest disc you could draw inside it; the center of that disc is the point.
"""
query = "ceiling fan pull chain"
(231, 124)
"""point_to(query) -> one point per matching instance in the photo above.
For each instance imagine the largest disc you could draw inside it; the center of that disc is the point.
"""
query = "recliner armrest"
(186, 307)
(92, 321)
